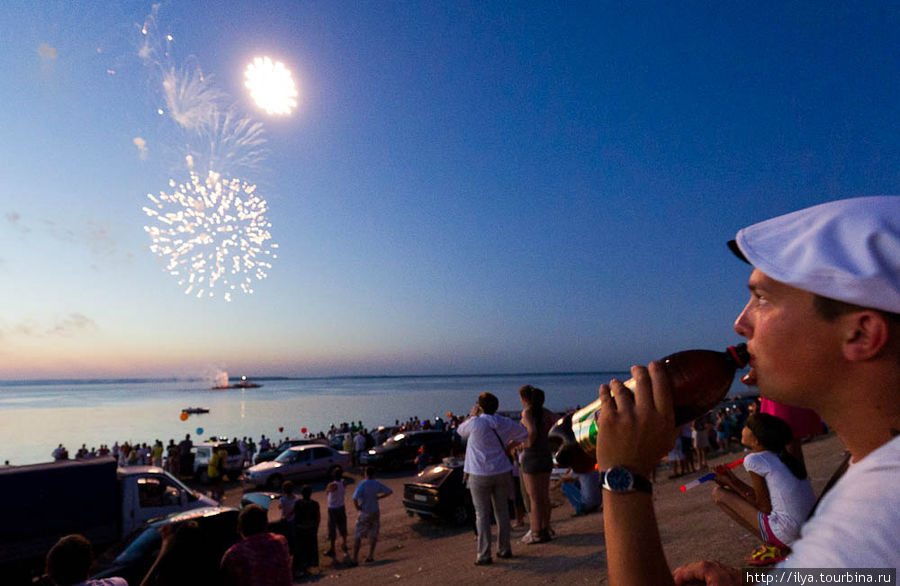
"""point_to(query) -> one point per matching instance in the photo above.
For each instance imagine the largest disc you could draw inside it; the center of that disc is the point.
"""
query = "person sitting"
(260, 558)
(780, 497)
(69, 561)
(582, 491)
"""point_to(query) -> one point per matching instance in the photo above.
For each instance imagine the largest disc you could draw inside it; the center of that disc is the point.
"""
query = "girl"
(780, 496)
(537, 462)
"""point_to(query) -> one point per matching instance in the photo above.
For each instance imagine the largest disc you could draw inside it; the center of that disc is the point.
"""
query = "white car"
(298, 463)
(234, 464)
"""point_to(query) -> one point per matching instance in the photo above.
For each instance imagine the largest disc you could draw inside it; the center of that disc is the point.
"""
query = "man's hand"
(710, 573)
(636, 429)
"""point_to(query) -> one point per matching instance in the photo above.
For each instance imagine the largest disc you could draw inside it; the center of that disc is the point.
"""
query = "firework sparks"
(271, 86)
(213, 235)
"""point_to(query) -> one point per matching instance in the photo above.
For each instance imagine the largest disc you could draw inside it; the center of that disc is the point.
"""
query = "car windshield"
(292, 456)
(141, 548)
(397, 439)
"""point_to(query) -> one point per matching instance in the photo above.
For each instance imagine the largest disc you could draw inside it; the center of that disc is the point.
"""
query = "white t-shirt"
(336, 497)
(856, 524)
(792, 499)
(485, 451)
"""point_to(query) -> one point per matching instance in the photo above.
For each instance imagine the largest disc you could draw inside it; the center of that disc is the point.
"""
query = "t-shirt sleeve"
(757, 462)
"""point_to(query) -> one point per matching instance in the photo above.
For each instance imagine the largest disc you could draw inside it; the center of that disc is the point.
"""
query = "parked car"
(401, 450)
(298, 463)
(234, 464)
(439, 492)
(218, 526)
(272, 453)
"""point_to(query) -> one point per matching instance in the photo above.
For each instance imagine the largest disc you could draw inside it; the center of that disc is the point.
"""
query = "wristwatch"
(619, 479)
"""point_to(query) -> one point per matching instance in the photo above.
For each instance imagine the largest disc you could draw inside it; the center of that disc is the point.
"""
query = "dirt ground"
(413, 550)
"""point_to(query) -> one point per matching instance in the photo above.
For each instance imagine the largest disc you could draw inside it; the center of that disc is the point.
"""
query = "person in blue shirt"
(365, 498)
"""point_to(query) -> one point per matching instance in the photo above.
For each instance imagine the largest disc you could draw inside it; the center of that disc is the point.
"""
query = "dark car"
(439, 492)
(218, 526)
(272, 453)
(401, 449)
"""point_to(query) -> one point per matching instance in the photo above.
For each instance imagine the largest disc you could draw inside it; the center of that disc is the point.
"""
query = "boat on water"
(222, 383)
(195, 410)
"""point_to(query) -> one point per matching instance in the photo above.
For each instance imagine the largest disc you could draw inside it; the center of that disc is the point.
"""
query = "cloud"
(14, 219)
(141, 145)
(67, 326)
(71, 325)
(47, 52)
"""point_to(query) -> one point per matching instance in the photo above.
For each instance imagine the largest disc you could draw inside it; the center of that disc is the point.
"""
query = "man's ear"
(866, 334)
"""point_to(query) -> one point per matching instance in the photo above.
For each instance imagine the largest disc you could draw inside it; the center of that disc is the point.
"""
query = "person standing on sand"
(260, 558)
(537, 462)
(489, 472)
(337, 512)
(366, 497)
(823, 332)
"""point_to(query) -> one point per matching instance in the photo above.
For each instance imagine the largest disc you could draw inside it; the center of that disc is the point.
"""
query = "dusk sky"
(463, 187)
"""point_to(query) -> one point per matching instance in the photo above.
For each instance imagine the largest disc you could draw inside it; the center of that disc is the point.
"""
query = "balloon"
(184, 415)
(280, 429)
(449, 415)
(302, 430)
(199, 431)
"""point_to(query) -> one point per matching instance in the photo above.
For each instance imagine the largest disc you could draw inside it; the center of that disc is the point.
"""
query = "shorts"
(773, 530)
(367, 525)
(337, 522)
(536, 461)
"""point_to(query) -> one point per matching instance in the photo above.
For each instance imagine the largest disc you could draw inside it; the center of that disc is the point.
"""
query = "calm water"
(35, 417)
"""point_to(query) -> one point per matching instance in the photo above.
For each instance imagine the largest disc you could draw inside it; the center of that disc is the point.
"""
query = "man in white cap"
(823, 332)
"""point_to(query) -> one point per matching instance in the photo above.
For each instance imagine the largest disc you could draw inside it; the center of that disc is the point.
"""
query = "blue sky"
(465, 186)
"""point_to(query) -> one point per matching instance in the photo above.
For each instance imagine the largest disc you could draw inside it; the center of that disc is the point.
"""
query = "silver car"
(298, 463)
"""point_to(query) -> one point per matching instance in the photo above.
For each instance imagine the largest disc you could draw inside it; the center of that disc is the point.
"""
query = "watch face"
(619, 479)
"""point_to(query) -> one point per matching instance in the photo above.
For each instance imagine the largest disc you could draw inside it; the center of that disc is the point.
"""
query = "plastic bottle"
(700, 379)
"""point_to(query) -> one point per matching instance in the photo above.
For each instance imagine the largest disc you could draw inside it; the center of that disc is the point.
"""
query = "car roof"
(308, 447)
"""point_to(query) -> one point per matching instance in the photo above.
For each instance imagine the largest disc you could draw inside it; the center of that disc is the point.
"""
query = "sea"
(36, 416)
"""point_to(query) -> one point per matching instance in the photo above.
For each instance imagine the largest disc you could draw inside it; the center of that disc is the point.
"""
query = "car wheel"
(274, 482)
(460, 514)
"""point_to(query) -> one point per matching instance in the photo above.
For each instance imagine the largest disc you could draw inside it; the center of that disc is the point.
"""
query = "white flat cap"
(847, 250)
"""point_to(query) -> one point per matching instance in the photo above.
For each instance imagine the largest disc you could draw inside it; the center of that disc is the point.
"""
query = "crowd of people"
(823, 331)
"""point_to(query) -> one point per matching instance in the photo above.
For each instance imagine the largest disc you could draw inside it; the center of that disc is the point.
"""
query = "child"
(780, 497)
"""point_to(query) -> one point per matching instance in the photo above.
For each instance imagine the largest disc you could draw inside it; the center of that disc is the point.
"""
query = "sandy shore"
(411, 549)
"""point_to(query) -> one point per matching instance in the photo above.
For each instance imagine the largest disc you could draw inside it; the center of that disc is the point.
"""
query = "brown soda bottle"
(700, 379)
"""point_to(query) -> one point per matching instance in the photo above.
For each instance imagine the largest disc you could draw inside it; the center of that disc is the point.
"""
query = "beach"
(412, 550)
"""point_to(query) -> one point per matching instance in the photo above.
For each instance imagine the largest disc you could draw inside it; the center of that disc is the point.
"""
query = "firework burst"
(213, 235)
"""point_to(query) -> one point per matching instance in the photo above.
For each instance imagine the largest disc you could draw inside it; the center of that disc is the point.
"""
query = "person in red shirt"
(260, 558)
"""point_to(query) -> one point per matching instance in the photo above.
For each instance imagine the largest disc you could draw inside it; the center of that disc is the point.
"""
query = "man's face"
(792, 348)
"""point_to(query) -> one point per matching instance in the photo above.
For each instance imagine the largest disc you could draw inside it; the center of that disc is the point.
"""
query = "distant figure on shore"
(60, 453)
(489, 472)
(185, 456)
(337, 511)
(69, 561)
(780, 497)
(260, 558)
(537, 462)
(365, 498)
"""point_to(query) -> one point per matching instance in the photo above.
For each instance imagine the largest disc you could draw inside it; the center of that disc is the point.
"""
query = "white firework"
(213, 235)
(271, 85)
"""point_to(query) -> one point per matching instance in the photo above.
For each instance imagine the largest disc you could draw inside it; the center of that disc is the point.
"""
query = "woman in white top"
(777, 502)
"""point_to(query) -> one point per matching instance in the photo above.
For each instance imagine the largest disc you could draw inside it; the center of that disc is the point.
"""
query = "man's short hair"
(488, 403)
(252, 520)
(69, 561)
(831, 309)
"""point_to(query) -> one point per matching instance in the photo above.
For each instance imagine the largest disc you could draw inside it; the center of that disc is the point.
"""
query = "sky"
(463, 187)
